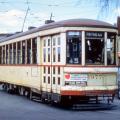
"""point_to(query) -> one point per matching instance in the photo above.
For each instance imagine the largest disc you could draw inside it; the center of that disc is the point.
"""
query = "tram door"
(46, 62)
(55, 63)
(51, 59)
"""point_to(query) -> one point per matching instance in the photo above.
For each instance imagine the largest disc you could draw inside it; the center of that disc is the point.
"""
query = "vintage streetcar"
(66, 62)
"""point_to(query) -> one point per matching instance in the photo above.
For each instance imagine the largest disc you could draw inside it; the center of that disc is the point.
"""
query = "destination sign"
(94, 34)
(72, 33)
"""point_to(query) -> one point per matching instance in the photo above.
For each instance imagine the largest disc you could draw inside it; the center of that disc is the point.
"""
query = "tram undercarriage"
(66, 98)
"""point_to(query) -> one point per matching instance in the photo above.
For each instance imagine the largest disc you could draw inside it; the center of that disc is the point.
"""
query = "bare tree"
(105, 6)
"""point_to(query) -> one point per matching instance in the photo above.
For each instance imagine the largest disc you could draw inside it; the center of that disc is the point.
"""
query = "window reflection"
(74, 47)
(111, 48)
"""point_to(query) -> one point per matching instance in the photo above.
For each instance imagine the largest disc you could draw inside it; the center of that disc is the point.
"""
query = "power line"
(28, 8)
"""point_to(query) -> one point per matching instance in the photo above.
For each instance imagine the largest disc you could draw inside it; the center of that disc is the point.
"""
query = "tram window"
(18, 53)
(44, 70)
(53, 70)
(14, 53)
(54, 40)
(44, 43)
(74, 47)
(0, 55)
(3, 54)
(53, 80)
(58, 80)
(48, 54)
(7, 50)
(10, 54)
(59, 70)
(23, 52)
(59, 50)
(58, 40)
(48, 70)
(34, 50)
(48, 79)
(94, 51)
(48, 42)
(54, 55)
(28, 51)
(44, 54)
(111, 49)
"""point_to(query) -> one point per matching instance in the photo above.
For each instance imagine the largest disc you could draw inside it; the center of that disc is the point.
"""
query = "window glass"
(59, 52)
(0, 55)
(53, 80)
(94, 44)
(18, 53)
(74, 47)
(10, 54)
(54, 54)
(58, 40)
(29, 51)
(23, 52)
(58, 80)
(44, 42)
(44, 54)
(58, 70)
(53, 70)
(48, 42)
(54, 40)
(48, 79)
(44, 70)
(111, 48)
(48, 54)
(48, 70)
(14, 53)
(7, 52)
(34, 50)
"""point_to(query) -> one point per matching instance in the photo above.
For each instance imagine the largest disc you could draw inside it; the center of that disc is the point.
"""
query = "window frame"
(80, 36)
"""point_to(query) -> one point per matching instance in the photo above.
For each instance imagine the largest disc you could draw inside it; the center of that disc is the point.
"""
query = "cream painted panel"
(111, 80)
(90, 70)
(20, 75)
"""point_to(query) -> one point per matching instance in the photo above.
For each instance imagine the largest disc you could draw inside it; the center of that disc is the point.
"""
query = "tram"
(69, 61)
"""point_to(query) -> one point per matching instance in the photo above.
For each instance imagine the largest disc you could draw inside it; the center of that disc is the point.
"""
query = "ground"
(14, 107)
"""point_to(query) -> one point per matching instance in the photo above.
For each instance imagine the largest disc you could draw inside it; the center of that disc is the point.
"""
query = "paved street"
(14, 107)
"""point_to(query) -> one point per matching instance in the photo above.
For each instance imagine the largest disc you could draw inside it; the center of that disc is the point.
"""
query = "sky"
(13, 12)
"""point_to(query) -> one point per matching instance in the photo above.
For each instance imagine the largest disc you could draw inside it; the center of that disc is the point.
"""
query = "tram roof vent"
(49, 21)
(31, 27)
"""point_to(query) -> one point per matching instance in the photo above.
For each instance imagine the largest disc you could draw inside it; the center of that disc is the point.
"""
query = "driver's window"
(74, 47)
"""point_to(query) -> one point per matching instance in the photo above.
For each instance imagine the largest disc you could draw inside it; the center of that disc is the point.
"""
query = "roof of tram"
(64, 23)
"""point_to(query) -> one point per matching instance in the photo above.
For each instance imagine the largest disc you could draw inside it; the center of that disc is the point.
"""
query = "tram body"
(67, 61)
